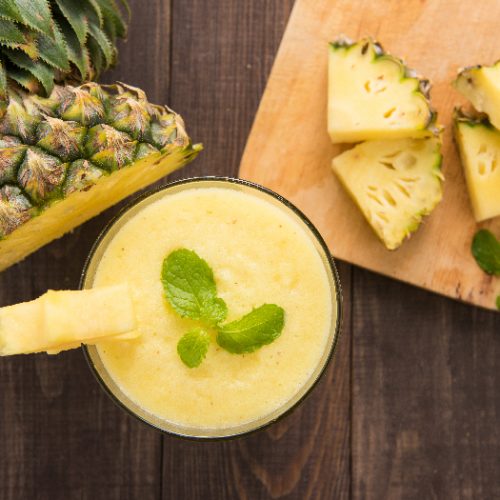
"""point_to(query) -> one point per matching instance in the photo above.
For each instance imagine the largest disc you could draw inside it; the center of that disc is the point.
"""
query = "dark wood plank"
(222, 52)
(426, 405)
(60, 435)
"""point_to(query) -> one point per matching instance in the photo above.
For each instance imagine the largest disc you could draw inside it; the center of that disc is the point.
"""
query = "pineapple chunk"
(479, 145)
(372, 95)
(481, 85)
(394, 183)
(65, 319)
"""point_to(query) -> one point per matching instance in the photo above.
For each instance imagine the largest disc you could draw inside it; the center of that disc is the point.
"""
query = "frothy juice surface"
(259, 254)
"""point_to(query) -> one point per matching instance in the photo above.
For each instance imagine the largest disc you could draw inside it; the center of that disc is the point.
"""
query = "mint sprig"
(254, 330)
(193, 346)
(190, 287)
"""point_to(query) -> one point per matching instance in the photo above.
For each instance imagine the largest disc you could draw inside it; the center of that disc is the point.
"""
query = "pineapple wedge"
(68, 157)
(373, 96)
(65, 319)
(481, 86)
(479, 146)
(394, 183)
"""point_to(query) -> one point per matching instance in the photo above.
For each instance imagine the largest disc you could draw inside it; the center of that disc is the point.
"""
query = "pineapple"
(481, 85)
(373, 96)
(65, 319)
(479, 146)
(394, 183)
(69, 151)
(65, 158)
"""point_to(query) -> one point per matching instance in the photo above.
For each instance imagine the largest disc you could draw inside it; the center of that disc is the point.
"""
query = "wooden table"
(410, 407)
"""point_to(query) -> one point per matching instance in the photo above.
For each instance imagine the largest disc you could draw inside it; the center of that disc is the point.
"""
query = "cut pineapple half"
(481, 85)
(373, 96)
(479, 146)
(68, 157)
(394, 183)
(65, 319)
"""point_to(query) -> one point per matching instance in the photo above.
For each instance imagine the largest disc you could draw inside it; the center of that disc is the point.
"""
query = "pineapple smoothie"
(260, 253)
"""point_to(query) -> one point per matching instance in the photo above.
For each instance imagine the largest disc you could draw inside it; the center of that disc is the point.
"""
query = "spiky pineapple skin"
(357, 112)
(66, 158)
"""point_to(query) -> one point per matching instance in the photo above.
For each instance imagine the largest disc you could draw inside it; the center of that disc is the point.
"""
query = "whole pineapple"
(69, 151)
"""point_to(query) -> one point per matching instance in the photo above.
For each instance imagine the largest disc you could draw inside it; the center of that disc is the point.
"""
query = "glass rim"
(331, 267)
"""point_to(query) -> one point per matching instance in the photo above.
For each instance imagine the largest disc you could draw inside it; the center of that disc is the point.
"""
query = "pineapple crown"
(43, 42)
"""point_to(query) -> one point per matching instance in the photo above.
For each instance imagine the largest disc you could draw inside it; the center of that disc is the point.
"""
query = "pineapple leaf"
(95, 7)
(104, 44)
(36, 14)
(111, 14)
(25, 79)
(96, 56)
(28, 46)
(43, 73)
(72, 11)
(9, 32)
(3, 81)
(53, 53)
(77, 53)
(9, 10)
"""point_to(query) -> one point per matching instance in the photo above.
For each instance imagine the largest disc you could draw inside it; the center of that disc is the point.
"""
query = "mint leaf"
(190, 287)
(193, 346)
(486, 251)
(257, 328)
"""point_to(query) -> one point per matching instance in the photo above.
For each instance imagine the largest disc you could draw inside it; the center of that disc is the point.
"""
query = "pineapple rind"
(359, 108)
(65, 214)
(479, 146)
(395, 183)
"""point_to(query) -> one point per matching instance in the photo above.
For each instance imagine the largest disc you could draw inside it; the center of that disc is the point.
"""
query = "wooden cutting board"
(289, 150)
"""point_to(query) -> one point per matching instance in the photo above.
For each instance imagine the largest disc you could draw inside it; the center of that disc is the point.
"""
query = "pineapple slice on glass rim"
(373, 95)
(479, 147)
(61, 320)
(395, 183)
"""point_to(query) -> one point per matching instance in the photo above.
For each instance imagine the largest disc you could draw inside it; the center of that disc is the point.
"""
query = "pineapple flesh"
(68, 157)
(481, 86)
(479, 146)
(63, 320)
(394, 183)
(373, 96)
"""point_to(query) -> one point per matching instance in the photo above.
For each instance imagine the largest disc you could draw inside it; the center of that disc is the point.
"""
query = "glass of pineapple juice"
(262, 249)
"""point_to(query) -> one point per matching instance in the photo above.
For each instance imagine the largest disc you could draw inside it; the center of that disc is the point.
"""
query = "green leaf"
(259, 327)
(35, 13)
(3, 84)
(486, 251)
(113, 22)
(53, 53)
(77, 53)
(43, 73)
(74, 14)
(498, 302)
(9, 32)
(9, 10)
(95, 57)
(190, 287)
(193, 346)
(97, 11)
(104, 44)
(25, 79)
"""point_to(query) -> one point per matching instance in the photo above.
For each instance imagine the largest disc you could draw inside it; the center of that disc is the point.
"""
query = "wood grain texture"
(426, 404)
(289, 150)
